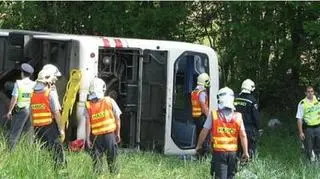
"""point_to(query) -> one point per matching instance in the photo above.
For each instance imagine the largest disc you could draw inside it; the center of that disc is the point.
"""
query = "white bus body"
(150, 79)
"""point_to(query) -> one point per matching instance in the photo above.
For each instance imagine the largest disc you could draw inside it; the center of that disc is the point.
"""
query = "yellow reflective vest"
(25, 90)
(311, 111)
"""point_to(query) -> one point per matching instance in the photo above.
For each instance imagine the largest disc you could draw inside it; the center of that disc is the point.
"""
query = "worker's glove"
(62, 136)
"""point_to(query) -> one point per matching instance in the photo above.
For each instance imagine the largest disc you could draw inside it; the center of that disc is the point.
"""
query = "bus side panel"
(153, 99)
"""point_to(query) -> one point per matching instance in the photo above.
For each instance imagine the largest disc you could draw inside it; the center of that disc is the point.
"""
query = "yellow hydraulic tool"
(70, 96)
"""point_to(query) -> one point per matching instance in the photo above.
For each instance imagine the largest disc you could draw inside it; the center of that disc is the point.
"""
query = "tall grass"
(279, 156)
(29, 161)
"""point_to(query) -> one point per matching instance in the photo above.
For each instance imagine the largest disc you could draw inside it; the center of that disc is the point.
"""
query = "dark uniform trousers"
(312, 140)
(20, 122)
(104, 144)
(225, 164)
(49, 136)
(246, 104)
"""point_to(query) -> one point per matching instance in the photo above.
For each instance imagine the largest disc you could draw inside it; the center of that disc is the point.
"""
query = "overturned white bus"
(150, 79)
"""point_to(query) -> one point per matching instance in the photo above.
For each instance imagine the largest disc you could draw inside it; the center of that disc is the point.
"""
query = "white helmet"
(45, 76)
(53, 69)
(204, 80)
(98, 88)
(225, 98)
(247, 86)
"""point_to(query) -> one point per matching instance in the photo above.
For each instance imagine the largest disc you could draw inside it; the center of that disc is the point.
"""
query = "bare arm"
(204, 109)
(118, 124)
(117, 132)
(55, 108)
(244, 141)
(203, 97)
(57, 117)
(203, 134)
(301, 134)
(116, 113)
(61, 127)
(13, 102)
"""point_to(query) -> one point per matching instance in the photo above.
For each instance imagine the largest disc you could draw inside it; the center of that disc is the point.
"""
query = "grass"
(29, 161)
(279, 157)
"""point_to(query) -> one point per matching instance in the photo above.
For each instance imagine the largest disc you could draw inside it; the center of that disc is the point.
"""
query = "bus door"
(183, 130)
(152, 104)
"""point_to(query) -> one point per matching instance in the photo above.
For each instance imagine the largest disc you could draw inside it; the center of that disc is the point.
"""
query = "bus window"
(57, 53)
(186, 69)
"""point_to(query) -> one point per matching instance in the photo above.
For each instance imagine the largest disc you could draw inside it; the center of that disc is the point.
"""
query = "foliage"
(131, 19)
(275, 44)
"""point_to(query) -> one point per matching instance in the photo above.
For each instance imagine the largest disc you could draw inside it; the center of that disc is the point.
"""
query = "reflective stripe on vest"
(25, 90)
(196, 106)
(241, 102)
(101, 116)
(311, 112)
(224, 134)
(40, 108)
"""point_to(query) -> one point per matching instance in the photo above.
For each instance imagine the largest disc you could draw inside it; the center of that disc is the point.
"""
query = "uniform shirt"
(300, 113)
(203, 94)
(115, 109)
(15, 91)
(53, 97)
(227, 113)
(249, 110)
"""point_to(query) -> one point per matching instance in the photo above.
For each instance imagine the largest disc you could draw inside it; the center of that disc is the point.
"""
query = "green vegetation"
(275, 44)
(279, 157)
(29, 161)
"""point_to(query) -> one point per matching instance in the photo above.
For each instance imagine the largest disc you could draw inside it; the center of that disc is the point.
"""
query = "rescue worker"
(103, 126)
(46, 117)
(200, 108)
(247, 105)
(19, 106)
(226, 127)
(60, 84)
(308, 116)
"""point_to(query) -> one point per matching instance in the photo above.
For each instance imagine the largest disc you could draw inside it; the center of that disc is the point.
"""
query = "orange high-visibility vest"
(102, 120)
(196, 106)
(224, 134)
(40, 108)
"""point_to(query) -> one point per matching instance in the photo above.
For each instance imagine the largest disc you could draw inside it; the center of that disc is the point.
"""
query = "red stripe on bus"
(118, 43)
(106, 42)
